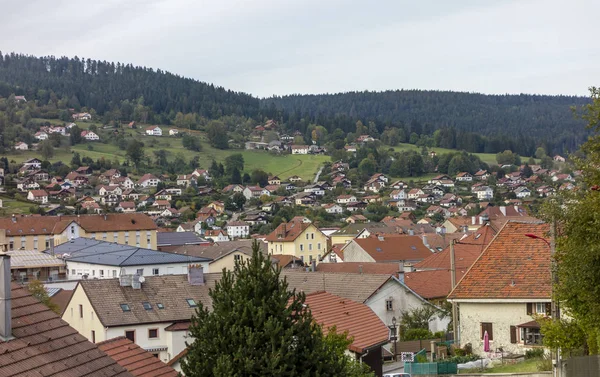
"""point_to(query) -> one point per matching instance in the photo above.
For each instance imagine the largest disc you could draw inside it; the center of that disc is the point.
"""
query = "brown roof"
(287, 232)
(61, 299)
(179, 326)
(360, 267)
(219, 250)
(135, 359)
(38, 193)
(394, 248)
(285, 260)
(432, 284)
(46, 345)
(362, 324)
(170, 290)
(513, 266)
(30, 225)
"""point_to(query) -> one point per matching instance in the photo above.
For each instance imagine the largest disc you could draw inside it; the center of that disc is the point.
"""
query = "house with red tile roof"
(367, 331)
(299, 238)
(506, 286)
(135, 359)
(386, 248)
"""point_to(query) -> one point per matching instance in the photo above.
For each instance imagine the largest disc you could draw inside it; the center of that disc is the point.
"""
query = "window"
(306, 235)
(543, 308)
(11, 245)
(137, 238)
(72, 229)
(23, 243)
(319, 246)
(125, 307)
(301, 247)
(93, 272)
(155, 271)
(93, 336)
(312, 236)
(104, 236)
(115, 236)
(147, 305)
(237, 258)
(302, 258)
(389, 304)
(310, 247)
(47, 244)
(130, 334)
(80, 311)
(35, 244)
(114, 273)
(148, 238)
(140, 271)
(191, 302)
(160, 306)
(126, 237)
(101, 273)
(71, 312)
(152, 333)
(73, 272)
(487, 326)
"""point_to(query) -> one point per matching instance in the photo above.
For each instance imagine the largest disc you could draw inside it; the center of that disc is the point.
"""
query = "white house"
(484, 193)
(522, 192)
(333, 208)
(40, 196)
(464, 177)
(497, 297)
(41, 135)
(238, 229)
(148, 180)
(345, 199)
(173, 132)
(254, 192)
(299, 149)
(154, 131)
(90, 136)
(95, 259)
(21, 146)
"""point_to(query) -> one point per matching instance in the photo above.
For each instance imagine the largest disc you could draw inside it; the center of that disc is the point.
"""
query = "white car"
(396, 375)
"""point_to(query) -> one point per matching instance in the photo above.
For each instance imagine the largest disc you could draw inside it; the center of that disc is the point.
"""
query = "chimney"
(5, 303)
(411, 232)
(51, 242)
(407, 267)
(425, 241)
(503, 210)
(105, 217)
(14, 218)
(313, 265)
(360, 269)
(195, 274)
(473, 220)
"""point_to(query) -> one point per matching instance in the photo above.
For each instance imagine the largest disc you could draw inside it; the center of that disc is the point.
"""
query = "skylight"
(125, 308)
(147, 305)
(191, 302)
(378, 249)
(160, 306)
(477, 236)
(413, 247)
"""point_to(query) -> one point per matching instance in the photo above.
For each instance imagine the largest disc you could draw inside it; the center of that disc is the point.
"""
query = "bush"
(416, 334)
(544, 364)
(421, 359)
(534, 353)
(459, 352)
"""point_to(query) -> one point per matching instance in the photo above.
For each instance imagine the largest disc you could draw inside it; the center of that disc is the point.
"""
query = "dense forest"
(117, 93)
(104, 85)
(478, 122)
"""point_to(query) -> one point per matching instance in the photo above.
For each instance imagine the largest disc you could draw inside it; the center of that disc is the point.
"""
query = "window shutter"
(529, 308)
(513, 334)
(548, 309)
(490, 331)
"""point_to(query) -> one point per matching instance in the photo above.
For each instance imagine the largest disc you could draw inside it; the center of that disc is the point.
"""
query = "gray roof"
(172, 291)
(355, 229)
(87, 250)
(220, 249)
(178, 239)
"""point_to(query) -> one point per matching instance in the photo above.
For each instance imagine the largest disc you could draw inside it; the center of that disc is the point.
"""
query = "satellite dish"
(142, 279)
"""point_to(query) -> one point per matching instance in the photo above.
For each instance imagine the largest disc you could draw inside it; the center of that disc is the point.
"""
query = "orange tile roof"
(360, 267)
(361, 323)
(287, 232)
(432, 284)
(513, 266)
(135, 359)
(394, 248)
(46, 345)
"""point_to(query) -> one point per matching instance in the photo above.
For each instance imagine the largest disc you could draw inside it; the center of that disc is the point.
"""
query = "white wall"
(402, 300)
(93, 270)
(501, 315)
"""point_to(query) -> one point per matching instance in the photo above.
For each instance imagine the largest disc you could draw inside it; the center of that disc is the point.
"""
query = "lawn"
(530, 365)
(10, 206)
(488, 158)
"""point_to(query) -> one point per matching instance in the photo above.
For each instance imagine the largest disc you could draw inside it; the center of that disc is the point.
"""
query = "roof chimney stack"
(14, 218)
(195, 274)
(5, 299)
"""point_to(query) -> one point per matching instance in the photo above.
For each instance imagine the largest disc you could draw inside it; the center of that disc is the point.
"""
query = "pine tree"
(258, 327)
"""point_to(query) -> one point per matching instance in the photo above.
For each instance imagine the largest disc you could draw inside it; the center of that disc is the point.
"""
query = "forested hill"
(104, 85)
(546, 119)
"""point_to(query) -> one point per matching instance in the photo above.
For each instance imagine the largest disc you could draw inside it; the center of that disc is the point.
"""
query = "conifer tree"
(258, 327)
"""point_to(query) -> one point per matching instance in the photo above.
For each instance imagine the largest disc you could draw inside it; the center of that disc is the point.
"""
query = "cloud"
(307, 46)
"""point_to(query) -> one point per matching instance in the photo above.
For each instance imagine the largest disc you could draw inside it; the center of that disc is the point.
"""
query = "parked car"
(397, 375)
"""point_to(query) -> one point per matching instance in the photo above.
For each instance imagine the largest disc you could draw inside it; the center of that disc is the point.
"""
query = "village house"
(464, 177)
(299, 149)
(522, 192)
(40, 196)
(172, 132)
(135, 359)
(333, 208)
(254, 192)
(148, 180)
(21, 146)
(481, 175)
(354, 219)
(298, 238)
(90, 135)
(82, 116)
(345, 199)
(216, 235)
(484, 193)
(154, 131)
(41, 135)
(386, 248)
(559, 158)
(274, 180)
(495, 298)
(238, 229)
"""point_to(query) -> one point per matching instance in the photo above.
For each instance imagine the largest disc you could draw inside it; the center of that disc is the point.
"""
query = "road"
(318, 175)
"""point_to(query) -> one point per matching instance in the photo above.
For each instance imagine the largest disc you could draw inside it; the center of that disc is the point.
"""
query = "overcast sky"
(267, 47)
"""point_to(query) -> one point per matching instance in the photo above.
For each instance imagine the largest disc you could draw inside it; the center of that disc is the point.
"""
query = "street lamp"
(554, 304)
(394, 336)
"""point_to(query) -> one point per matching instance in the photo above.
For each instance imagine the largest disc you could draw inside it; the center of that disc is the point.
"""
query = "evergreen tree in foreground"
(257, 327)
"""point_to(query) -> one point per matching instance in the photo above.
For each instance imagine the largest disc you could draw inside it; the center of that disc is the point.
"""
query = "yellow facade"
(84, 319)
(310, 245)
(341, 239)
(141, 238)
(227, 262)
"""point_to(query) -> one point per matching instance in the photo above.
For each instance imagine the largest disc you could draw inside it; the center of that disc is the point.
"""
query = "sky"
(278, 47)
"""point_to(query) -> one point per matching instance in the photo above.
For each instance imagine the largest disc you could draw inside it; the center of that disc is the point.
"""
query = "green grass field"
(530, 365)
(488, 158)
(10, 206)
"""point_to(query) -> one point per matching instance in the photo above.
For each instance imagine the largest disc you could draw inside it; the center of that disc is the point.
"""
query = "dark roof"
(92, 251)
(358, 320)
(360, 267)
(46, 345)
(354, 229)
(513, 266)
(61, 299)
(219, 249)
(135, 359)
(178, 239)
